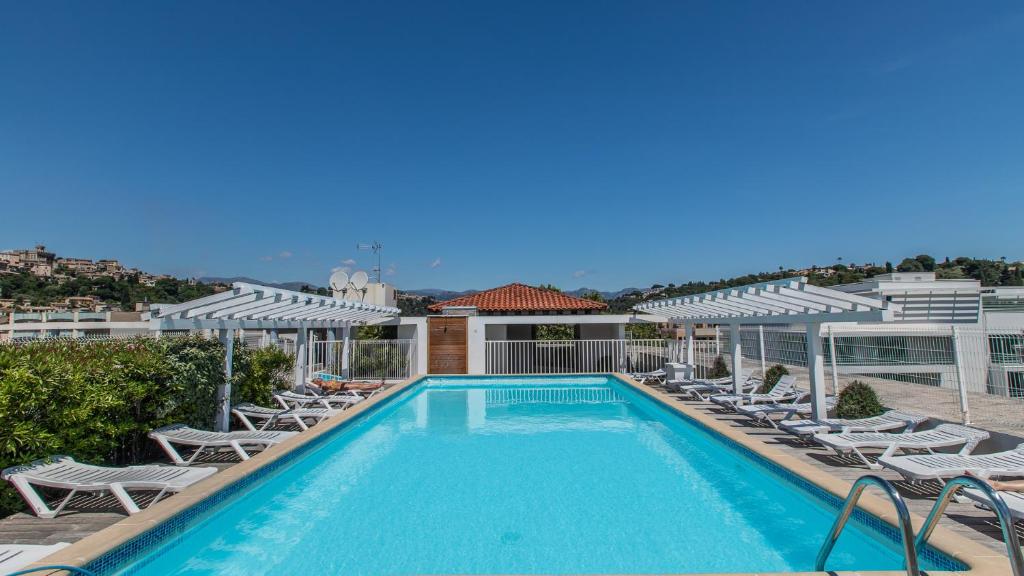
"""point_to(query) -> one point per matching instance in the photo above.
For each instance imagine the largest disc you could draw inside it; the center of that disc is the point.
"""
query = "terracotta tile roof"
(521, 298)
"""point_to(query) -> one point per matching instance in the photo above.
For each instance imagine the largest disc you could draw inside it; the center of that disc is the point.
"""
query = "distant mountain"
(439, 293)
(233, 279)
(606, 295)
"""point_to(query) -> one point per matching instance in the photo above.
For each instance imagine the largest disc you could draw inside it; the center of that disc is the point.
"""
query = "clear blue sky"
(605, 144)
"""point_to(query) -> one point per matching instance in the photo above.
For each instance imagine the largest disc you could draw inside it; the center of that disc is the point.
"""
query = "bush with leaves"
(771, 378)
(858, 400)
(258, 372)
(97, 401)
(719, 369)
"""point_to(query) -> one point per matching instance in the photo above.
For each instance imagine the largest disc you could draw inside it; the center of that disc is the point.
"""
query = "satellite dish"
(359, 280)
(339, 280)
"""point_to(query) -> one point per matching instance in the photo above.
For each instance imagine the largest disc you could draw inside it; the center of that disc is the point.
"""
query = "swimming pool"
(515, 475)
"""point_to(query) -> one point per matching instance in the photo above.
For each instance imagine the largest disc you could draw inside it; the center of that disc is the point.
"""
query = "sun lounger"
(891, 420)
(725, 382)
(288, 399)
(17, 556)
(704, 390)
(764, 412)
(64, 473)
(942, 436)
(1014, 501)
(938, 466)
(656, 376)
(784, 391)
(247, 413)
(202, 440)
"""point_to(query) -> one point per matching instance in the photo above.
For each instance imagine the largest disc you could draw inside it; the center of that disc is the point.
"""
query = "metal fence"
(965, 374)
(366, 359)
(576, 356)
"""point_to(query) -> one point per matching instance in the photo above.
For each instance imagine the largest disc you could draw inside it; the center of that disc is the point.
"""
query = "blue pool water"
(504, 475)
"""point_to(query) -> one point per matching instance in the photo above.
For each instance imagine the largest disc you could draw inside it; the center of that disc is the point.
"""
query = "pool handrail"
(905, 526)
(997, 504)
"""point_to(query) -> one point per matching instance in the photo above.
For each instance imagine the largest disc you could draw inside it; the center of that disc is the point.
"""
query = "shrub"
(258, 372)
(771, 378)
(858, 400)
(96, 401)
(719, 369)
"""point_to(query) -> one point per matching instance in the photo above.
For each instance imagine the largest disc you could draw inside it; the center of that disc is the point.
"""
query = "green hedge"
(96, 401)
(771, 378)
(858, 400)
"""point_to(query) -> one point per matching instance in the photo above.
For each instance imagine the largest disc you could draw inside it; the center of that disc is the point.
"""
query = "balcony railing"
(576, 356)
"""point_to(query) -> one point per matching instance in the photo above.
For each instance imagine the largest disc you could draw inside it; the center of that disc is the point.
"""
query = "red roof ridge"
(519, 297)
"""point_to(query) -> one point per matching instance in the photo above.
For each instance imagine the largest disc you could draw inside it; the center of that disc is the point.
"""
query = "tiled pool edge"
(980, 560)
(115, 544)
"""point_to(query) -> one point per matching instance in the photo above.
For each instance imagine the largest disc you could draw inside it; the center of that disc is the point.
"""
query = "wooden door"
(447, 346)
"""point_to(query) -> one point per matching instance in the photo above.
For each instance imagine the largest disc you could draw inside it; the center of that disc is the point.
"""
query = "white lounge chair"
(289, 399)
(784, 391)
(891, 420)
(676, 385)
(248, 412)
(64, 473)
(14, 557)
(656, 376)
(764, 412)
(704, 390)
(939, 466)
(1014, 501)
(203, 440)
(942, 436)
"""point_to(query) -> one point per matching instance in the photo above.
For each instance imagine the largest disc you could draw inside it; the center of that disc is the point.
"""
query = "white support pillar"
(301, 348)
(760, 337)
(816, 371)
(832, 359)
(961, 383)
(346, 351)
(223, 418)
(736, 344)
(273, 336)
(689, 329)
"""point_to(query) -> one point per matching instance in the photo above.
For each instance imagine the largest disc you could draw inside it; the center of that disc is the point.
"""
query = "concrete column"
(816, 371)
(223, 424)
(301, 350)
(689, 329)
(760, 337)
(736, 346)
(346, 351)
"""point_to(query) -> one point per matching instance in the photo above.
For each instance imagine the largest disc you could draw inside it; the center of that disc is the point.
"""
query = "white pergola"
(254, 307)
(787, 301)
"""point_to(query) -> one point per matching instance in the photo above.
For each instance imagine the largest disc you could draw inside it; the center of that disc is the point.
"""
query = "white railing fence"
(575, 356)
(964, 373)
(367, 359)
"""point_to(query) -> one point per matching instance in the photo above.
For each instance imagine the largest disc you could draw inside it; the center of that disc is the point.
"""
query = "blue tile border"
(865, 519)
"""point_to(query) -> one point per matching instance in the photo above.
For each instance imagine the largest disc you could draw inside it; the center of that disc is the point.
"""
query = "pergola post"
(301, 346)
(688, 327)
(223, 418)
(346, 351)
(760, 338)
(736, 345)
(816, 370)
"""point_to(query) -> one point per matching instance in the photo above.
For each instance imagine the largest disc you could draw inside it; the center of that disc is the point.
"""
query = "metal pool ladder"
(909, 542)
(995, 502)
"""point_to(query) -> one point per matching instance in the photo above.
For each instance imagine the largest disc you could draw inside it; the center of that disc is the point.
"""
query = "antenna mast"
(377, 248)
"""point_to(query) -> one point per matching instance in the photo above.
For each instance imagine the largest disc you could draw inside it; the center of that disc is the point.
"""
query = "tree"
(593, 295)
(927, 262)
(910, 265)
(551, 287)
(554, 332)
(888, 267)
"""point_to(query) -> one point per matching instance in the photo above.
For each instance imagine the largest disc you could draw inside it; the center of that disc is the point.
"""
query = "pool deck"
(90, 515)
